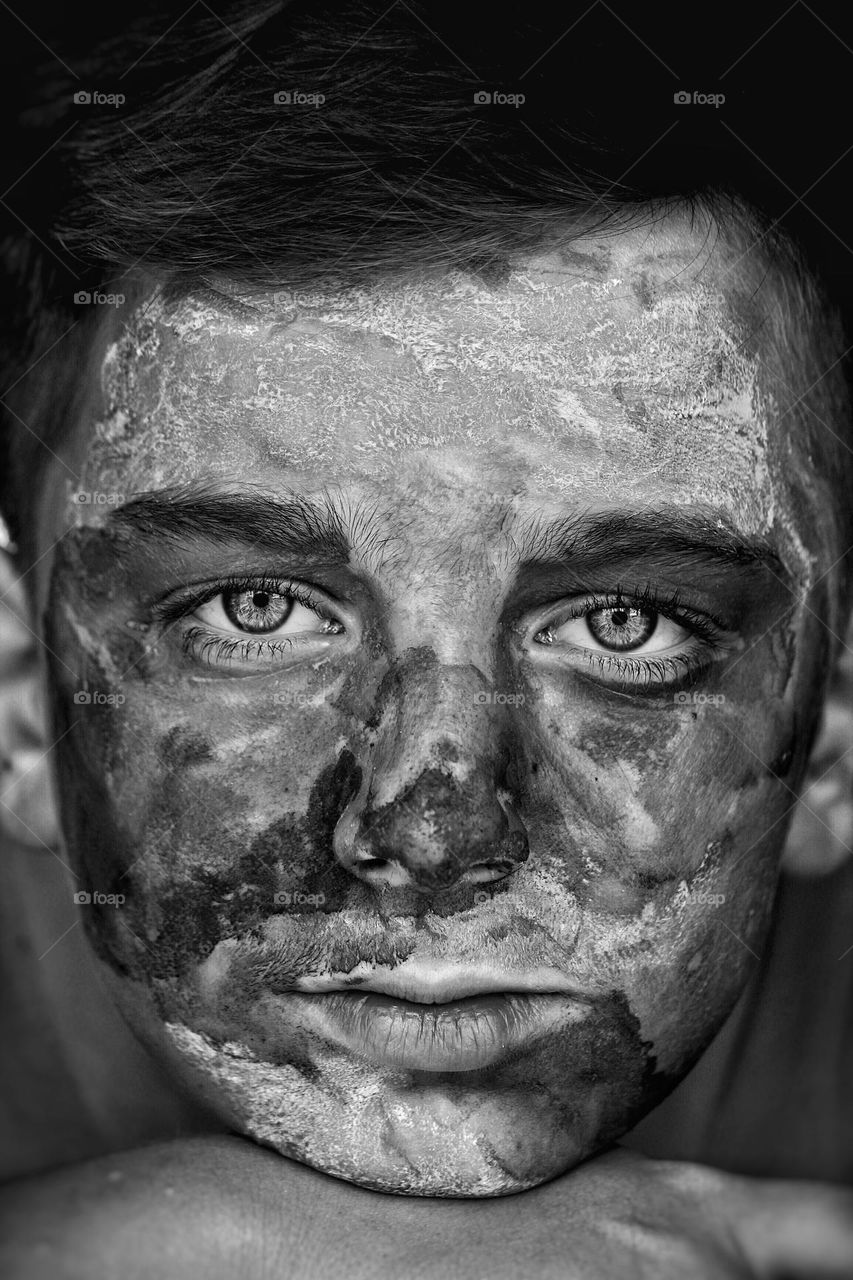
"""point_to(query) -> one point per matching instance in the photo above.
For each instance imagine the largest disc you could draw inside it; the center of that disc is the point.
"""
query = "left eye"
(617, 628)
(261, 611)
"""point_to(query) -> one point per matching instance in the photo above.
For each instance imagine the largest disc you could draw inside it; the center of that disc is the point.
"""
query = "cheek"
(627, 798)
(662, 841)
(209, 808)
(663, 827)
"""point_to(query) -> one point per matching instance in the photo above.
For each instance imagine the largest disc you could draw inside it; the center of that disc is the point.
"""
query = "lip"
(439, 982)
(446, 1018)
(458, 1035)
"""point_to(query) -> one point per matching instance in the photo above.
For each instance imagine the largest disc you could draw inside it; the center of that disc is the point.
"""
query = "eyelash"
(199, 642)
(651, 672)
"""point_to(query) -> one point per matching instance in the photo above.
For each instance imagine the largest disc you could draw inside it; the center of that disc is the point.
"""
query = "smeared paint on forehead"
(619, 370)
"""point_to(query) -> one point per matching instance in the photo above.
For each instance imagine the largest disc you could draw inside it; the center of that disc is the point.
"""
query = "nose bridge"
(433, 717)
(432, 808)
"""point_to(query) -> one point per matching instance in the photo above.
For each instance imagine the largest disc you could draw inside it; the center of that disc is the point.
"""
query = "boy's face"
(431, 781)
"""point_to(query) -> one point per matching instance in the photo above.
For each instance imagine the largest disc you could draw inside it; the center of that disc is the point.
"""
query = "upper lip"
(439, 982)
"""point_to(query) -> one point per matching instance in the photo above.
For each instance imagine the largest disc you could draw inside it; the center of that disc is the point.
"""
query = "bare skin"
(608, 829)
(221, 1206)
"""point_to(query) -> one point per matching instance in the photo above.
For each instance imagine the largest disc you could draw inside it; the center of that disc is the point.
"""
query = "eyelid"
(262, 653)
(646, 597)
(182, 602)
(633, 673)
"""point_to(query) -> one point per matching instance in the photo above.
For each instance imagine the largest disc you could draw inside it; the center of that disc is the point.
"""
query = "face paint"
(435, 811)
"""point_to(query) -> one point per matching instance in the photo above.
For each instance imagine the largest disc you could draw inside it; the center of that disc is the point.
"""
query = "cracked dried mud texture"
(611, 375)
(427, 337)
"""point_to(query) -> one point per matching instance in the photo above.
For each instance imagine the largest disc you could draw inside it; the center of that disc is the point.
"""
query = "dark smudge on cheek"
(155, 813)
(646, 744)
(150, 814)
(630, 803)
(310, 861)
(183, 746)
(206, 901)
(599, 782)
(86, 620)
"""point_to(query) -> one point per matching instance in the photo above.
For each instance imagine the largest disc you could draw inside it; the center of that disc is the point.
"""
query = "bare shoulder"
(221, 1206)
(213, 1206)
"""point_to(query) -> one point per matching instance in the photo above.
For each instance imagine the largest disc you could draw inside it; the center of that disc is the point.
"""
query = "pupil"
(621, 627)
(257, 611)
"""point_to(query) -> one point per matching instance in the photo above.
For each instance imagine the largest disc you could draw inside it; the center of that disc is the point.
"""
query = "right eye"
(252, 622)
(262, 611)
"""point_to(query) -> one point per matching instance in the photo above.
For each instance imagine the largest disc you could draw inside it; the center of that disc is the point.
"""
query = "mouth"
(435, 1019)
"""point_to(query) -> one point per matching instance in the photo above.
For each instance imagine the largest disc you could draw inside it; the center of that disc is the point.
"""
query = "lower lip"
(461, 1035)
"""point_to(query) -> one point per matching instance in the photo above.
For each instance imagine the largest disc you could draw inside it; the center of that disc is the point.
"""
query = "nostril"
(372, 864)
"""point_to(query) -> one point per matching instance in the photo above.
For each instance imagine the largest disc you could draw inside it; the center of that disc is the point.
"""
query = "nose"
(433, 809)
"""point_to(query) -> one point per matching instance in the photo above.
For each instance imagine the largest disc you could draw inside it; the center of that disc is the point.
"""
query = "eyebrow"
(287, 525)
(293, 524)
(675, 534)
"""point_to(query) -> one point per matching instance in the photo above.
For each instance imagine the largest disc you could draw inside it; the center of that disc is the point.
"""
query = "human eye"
(635, 640)
(251, 622)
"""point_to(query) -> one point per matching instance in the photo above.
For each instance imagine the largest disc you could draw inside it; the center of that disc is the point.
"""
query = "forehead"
(618, 369)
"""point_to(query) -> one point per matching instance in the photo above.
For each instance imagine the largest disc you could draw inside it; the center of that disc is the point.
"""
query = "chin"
(530, 1115)
(466, 1135)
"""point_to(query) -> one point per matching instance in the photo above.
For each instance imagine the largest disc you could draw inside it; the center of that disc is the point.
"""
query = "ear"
(820, 838)
(28, 810)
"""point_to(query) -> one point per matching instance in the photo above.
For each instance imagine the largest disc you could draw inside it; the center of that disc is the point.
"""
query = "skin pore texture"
(448, 772)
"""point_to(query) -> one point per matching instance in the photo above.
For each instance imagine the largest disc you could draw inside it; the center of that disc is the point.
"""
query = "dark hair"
(201, 173)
